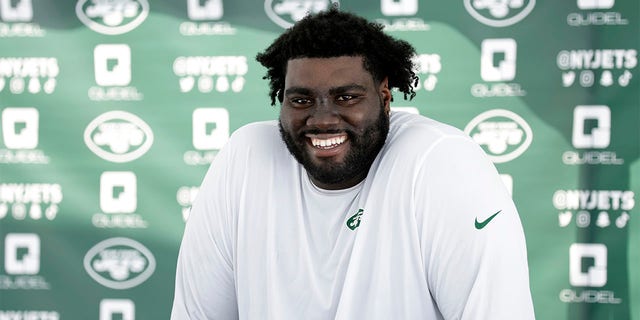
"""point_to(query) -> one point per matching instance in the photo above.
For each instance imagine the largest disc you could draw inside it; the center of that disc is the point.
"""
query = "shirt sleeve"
(205, 285)
(472, 240)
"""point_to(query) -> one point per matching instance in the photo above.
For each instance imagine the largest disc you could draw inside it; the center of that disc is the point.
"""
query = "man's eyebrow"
(347, 88)
(297, 90)
(332, 91)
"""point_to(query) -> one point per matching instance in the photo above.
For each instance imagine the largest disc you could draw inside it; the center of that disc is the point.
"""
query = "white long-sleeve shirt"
(431, 233)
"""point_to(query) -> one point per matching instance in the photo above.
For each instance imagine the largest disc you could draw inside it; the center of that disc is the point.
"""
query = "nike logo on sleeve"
(480, 225)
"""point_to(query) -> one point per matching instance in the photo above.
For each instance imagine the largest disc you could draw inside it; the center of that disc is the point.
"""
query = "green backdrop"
(111, 111)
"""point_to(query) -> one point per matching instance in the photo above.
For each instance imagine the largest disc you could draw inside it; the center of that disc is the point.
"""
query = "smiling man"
(337, 151)
(343, 209)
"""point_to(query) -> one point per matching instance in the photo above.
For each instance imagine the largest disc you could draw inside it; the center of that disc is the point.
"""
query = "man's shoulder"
(256, 129)
(255, 133)
(262, 136)
(415, 136)
(411, 126)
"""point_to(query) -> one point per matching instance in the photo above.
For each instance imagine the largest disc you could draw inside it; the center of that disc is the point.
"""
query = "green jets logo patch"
(354, 220)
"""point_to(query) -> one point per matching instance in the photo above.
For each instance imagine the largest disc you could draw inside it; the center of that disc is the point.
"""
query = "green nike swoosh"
(480, 225)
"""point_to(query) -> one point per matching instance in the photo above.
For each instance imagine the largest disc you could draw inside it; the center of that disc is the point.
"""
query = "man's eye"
(304, 101)
(345, 97)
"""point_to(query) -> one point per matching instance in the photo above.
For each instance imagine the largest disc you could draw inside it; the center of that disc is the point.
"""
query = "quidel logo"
(118, 136)
(20, 128)
(17, 14)
(595, 4)
(112, 64)
(22, 253)
(287, 12)
(210, 128)
(204, 19)
(498, 64)
(118, 192)
(598, 136)
(400, 15)
(21, 12)
(399, 8)
(505, 68)
(591, 130)
(112, 17)
(111, 309)
(210, 10)
(502, 134)
(119, 263)
(210, 133)
(22, 263)
(499, 13)
(588, 268)
(118, 201)
(593, 14)
(112, 69)
(596, 274)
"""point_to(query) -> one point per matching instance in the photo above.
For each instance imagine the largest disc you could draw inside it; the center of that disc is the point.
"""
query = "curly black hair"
(335, 33)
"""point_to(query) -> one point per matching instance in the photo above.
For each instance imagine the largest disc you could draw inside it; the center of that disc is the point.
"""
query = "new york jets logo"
(119, 263)
(502, 134)
(112, 16)
(287, 12)
(118, 136)
(354, 220)
(499, 13)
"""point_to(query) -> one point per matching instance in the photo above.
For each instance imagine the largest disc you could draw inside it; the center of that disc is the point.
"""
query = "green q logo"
(354, 221)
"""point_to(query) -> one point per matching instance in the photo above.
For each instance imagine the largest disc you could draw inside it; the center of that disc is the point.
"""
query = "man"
(344, 210)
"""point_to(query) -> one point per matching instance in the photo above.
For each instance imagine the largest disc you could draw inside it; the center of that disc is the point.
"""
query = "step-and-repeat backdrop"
(112, 110)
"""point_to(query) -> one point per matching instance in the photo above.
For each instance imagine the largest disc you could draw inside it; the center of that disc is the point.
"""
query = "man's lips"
(327, 144)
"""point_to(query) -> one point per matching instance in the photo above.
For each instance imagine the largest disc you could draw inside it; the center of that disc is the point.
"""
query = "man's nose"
(325, 114)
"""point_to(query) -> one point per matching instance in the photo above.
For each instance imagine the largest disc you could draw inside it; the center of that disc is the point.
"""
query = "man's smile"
(327, 145)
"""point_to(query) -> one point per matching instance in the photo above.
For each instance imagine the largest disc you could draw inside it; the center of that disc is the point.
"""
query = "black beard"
(364, 149)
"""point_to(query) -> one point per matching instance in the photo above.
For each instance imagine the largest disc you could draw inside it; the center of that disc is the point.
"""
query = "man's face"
(334, 118)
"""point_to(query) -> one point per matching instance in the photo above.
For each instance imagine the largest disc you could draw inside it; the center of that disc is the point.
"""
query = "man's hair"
(334, 33)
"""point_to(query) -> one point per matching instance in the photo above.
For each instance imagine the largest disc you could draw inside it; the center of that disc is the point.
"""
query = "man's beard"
(359, 158)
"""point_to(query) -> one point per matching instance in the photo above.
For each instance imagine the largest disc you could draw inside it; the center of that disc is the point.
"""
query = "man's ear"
(385, 94)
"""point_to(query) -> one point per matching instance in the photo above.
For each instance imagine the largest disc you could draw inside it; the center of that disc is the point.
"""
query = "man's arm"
(205, 286)
(473, 242)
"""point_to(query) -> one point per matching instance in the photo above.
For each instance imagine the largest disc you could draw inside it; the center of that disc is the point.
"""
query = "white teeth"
(327, 143)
